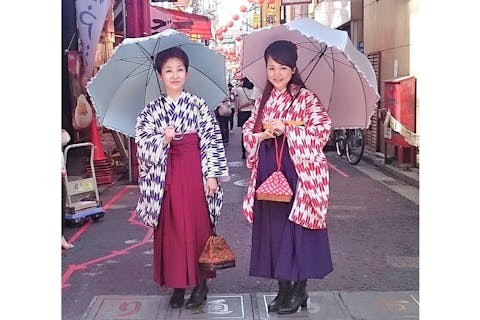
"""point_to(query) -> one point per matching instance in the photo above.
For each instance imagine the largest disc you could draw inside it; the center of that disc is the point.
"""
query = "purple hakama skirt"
(184, 223)
(282, 249)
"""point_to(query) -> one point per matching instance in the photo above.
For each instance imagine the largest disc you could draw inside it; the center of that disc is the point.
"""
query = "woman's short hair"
(173, 52)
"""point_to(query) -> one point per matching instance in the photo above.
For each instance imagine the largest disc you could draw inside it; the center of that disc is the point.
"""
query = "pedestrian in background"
(244, 102)
(223, 113)
(231, 99)
(181, 159)
(289, 239)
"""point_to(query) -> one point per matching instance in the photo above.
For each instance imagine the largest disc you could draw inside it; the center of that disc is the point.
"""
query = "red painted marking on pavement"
(116, 197)
(125, 306)
(84, 228)
(148, 235)
(338, 170)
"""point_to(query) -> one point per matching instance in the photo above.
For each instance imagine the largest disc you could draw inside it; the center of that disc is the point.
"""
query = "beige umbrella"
(329, 64)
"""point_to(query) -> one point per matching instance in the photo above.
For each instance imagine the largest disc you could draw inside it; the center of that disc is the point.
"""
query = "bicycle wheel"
(354, 146)
(340, 142)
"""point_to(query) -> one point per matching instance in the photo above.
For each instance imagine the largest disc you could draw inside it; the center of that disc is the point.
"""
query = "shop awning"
(192, 24)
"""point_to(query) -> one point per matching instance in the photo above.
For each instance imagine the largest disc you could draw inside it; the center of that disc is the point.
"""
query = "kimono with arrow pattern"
(188, 114)
(305, 146)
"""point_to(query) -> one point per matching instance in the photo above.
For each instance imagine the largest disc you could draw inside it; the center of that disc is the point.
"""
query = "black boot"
(199, 294)
(297, 297)
(283, 288)
(178, 296)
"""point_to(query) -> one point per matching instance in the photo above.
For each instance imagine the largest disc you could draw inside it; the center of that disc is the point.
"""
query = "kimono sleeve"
(251, 140)
(310, 139)
(149, 138)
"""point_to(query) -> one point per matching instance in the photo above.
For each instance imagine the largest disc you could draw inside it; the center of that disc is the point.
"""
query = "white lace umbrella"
(128, 81)
(329, 64)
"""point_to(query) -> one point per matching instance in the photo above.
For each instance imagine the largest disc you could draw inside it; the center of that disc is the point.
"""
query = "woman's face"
(278, 74)
(173, 74)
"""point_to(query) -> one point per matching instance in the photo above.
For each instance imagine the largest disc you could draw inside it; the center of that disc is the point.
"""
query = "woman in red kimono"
(289, 239)
(181, 159)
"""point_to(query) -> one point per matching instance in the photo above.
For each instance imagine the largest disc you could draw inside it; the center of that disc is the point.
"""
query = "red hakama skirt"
(184, 223)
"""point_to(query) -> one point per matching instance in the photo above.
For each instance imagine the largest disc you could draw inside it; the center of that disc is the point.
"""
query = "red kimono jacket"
(305, 146)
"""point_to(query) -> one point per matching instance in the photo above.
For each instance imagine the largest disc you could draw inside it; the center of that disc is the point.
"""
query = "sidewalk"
(407, 175)
(328, 305)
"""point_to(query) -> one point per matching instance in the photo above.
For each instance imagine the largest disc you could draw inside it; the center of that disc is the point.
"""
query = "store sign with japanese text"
(271, 14)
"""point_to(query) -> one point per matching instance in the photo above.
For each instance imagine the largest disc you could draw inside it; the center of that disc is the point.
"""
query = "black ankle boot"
(198, 296)
(297, 297)
(177, 299)
(283, 288)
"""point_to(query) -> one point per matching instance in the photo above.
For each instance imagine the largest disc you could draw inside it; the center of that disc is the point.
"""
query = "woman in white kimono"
(181, 159)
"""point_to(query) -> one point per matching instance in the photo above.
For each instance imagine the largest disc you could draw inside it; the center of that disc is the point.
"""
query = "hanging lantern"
(243, 8)
(230, 24)
(235, 16)
(224, 28)
(220, 38)
(238, 38)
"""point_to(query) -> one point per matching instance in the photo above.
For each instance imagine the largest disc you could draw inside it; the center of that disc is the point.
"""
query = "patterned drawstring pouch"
(276, 187)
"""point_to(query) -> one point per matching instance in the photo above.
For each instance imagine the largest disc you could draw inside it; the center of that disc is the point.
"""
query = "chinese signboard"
(271, 14)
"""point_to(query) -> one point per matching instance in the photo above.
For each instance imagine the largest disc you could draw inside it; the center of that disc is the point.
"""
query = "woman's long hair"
(283, 52)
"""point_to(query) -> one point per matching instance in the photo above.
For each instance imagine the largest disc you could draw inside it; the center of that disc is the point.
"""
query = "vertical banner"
(91, 15)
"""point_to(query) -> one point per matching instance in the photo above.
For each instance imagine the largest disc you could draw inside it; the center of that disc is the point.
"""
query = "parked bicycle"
(350, 142)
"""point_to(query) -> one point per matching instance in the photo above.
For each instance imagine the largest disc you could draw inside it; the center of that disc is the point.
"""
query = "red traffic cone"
(98, 152)
(103, 167)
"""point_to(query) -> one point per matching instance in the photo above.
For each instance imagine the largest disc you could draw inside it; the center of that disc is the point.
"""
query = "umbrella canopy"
(128, 81)
(329, 64)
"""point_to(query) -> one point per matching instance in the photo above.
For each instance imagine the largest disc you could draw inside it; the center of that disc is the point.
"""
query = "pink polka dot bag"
(276, 187)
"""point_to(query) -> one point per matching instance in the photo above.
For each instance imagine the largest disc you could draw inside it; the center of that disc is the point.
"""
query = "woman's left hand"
(276, 127)
(211, 186)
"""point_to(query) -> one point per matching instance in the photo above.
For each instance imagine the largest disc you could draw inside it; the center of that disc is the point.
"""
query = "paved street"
(374, 237)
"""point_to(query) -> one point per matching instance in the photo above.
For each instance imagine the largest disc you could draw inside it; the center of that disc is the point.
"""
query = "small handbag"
(276, 187)
(216, 254)
(224, 109)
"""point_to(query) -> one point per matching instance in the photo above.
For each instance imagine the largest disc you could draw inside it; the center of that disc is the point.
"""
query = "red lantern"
(224, 28)
(243, 8)
(235, 17)
(238, 38)
(220, 37)
(230, 24)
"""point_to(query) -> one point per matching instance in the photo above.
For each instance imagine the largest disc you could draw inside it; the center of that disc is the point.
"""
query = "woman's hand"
(266, 135)
(169, 134)
(276, 127)
(211, 186)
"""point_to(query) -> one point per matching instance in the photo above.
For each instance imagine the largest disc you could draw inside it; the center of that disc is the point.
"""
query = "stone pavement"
(327, 305)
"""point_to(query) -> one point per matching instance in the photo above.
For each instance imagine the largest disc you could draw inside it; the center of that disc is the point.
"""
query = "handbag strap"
(278, 155)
